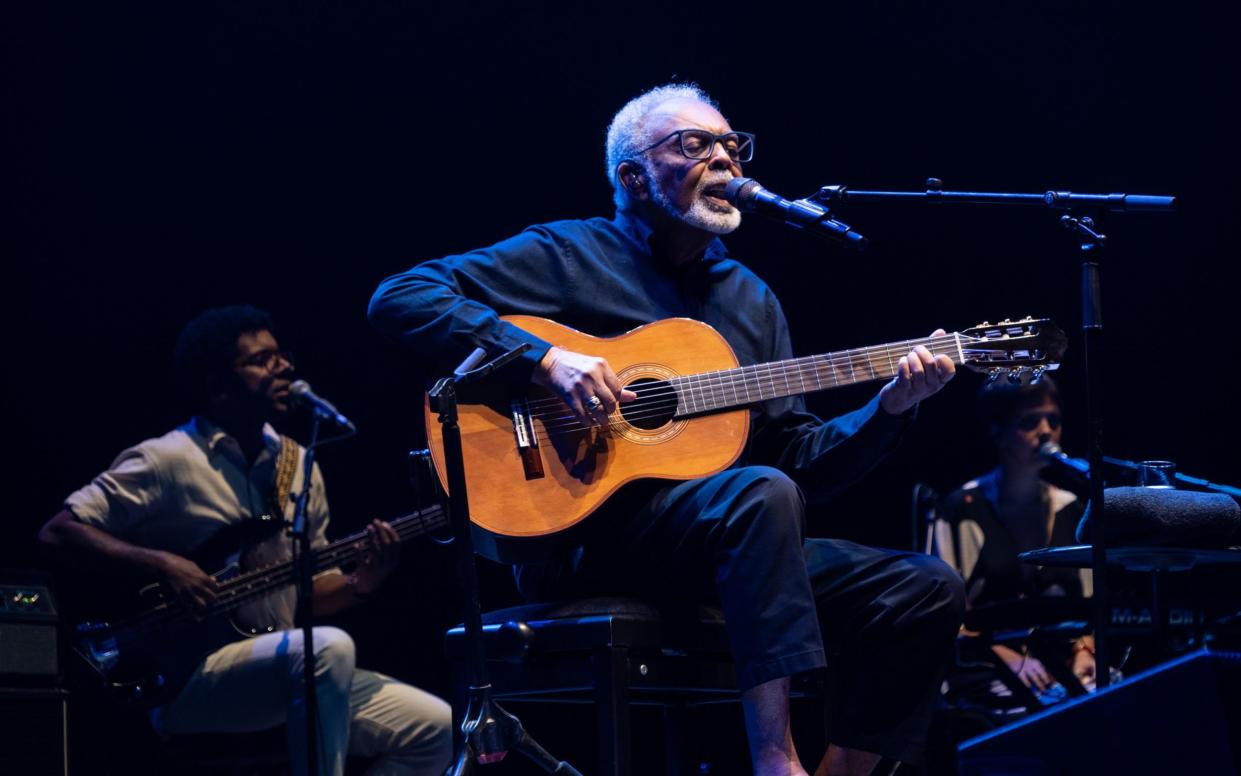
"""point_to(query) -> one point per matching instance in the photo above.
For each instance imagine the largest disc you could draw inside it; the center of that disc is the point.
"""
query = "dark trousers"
(882, 623)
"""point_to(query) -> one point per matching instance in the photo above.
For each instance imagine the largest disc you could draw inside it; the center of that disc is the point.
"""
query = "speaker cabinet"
(33, 732)
(1182, 717)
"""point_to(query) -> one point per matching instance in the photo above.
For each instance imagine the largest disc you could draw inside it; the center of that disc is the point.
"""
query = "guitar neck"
(711, 391)
(250, 585)
(258, 582)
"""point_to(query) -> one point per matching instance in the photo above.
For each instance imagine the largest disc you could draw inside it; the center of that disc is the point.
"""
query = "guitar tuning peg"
(1014, 375)
(993, 375)
(1036, 374)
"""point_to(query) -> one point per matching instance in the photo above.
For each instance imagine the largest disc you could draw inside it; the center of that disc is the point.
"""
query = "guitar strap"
(286, 467)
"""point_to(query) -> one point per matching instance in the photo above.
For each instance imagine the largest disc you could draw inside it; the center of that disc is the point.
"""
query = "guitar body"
(149, 665)
(582, 467)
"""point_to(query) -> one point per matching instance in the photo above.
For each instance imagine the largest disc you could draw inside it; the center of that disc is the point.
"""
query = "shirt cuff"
(887, 421)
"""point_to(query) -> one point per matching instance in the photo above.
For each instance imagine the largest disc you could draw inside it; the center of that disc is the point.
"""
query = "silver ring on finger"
(594, 403)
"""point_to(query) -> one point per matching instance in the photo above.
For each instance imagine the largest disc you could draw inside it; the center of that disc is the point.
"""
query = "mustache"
(722, 179)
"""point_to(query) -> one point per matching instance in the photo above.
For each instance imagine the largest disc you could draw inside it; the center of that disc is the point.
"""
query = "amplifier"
(28, 622)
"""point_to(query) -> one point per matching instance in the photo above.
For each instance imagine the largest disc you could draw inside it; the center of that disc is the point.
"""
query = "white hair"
(628, 133)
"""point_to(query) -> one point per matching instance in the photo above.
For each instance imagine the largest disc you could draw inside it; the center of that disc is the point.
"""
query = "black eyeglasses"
(1031, 421)
(267, 359)
(699, 144)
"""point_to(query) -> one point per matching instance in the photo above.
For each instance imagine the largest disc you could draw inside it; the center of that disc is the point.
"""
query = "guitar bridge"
(527, 440)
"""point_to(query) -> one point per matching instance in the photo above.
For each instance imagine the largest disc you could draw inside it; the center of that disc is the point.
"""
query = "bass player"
(165, 497)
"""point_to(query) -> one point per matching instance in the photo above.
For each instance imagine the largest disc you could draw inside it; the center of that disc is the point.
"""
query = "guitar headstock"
(1030, 346)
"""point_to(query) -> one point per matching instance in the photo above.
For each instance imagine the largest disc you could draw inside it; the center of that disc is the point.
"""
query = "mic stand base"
(491, 733)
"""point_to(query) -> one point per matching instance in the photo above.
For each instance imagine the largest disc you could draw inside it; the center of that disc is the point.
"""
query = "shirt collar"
(641, 231)
(212, 436)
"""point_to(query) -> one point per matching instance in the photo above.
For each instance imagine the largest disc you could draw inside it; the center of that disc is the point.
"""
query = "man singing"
(166, 497)
(881, 623)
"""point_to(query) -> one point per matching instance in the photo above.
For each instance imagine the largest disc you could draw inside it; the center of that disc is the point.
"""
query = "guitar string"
(566, 424)
(856, 355)
(942, 345)
(817, 366)
(713, 383)
(278, 576)
(653, 403)
(252, 584)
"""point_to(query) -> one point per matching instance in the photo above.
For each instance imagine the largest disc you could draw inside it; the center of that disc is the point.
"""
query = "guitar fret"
(717, 390)
(683, 396)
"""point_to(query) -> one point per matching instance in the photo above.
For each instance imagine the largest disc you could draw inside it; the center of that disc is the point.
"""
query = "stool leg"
(680, 740)
(612, 711)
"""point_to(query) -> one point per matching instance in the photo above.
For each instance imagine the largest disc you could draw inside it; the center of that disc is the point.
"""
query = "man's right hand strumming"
(578, 379)
(192, 586)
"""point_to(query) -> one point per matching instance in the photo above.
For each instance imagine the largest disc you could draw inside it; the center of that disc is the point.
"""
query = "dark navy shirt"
(600, 277)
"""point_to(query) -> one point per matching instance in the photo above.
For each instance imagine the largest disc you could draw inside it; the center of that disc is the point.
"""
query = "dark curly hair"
(202, 360)
(1001, 401)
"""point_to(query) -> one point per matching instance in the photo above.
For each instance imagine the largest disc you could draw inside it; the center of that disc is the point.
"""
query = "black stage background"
(162, 158)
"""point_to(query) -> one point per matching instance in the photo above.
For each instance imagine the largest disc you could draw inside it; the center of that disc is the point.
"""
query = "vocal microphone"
(747, 195)
(302, 394)
(1072, 474)
(1051, 453)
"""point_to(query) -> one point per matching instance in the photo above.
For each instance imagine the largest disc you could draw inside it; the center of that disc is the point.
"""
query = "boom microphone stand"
(488, 731)
(1091, 245)
(304, 556)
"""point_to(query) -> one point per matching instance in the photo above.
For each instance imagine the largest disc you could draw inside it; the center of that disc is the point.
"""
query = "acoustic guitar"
(147, 657)
(533, 469)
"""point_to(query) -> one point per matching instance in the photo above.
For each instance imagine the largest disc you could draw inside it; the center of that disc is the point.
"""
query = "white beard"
(702, 214)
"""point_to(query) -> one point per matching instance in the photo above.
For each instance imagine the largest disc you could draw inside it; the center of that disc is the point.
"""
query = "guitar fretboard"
(259, 582)
(728, 388)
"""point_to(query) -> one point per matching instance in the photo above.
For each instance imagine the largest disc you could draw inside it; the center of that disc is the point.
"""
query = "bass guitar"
(147, 657)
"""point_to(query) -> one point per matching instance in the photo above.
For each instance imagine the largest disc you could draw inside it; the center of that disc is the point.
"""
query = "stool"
(613, 653)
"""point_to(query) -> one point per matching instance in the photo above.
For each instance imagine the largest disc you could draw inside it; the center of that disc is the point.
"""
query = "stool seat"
(520, 632)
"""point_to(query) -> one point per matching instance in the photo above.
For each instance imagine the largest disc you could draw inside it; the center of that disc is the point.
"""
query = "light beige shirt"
(963, 553)
(175, 491)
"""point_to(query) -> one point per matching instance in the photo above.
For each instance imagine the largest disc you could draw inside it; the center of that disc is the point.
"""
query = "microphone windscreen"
(740, 192)
(1166, 517)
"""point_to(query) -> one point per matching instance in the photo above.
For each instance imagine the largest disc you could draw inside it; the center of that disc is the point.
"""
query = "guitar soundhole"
(655, 405)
